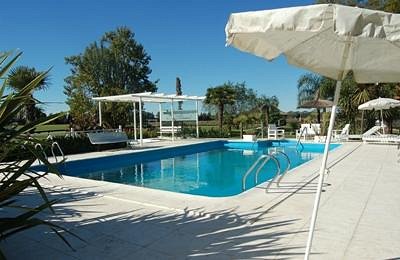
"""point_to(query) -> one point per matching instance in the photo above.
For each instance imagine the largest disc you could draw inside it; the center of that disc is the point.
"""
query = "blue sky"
(184, 38)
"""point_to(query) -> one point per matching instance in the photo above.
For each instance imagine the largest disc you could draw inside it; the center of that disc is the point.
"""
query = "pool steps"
(261, 161)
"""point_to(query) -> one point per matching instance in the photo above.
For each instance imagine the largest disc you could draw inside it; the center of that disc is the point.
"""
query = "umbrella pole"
(322, 170)
(362, 121)
(382, 124)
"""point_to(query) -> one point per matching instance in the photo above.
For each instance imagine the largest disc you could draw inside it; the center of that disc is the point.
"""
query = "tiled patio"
(359, 217)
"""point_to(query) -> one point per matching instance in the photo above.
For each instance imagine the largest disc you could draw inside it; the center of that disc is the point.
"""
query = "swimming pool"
(213, 169)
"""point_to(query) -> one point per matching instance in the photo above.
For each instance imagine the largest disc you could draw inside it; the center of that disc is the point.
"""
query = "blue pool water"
(212, 169)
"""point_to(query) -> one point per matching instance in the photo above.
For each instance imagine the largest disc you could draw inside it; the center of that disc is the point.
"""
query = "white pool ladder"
(40, 149)
(279, 175)
(260, 162)
(56, 145)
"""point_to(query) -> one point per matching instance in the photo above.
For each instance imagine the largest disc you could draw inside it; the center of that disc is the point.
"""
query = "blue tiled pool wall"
(114, 161)
(247, 145)
(120, 160)
(76, 167)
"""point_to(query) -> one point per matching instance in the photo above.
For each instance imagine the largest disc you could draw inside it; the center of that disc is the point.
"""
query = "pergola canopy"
(149, 97)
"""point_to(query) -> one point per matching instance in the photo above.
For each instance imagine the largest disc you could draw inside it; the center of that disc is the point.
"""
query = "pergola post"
(197, 119)
(172, 119)
(100, 119)
(140, 99)
(140, 122)
(134, 121)
(160, 117)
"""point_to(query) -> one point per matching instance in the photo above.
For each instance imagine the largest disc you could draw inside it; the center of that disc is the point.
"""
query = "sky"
(185, 38)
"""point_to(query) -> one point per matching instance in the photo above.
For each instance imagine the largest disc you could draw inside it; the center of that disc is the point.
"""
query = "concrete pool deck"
(359, 216)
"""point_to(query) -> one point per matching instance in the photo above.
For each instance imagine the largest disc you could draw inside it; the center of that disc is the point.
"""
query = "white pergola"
(149, 97)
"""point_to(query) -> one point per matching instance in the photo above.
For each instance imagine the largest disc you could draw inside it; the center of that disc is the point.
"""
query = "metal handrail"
(278, 165)
(262, 157)
(261, 161)
(256, 141)
(41, 150)
(287, 167)
(278, 176)
(301, 134)
(55, 144)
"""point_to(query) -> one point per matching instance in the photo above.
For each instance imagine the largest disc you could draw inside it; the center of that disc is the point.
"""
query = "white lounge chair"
(343, 134)
(308, 130)
(374, 135)
(274, 133)
(382, 139)
(372, 131)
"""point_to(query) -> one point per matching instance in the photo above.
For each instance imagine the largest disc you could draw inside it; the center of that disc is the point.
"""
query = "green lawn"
(59, 127)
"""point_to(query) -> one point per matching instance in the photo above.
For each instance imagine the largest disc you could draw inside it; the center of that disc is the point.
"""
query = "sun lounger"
(372, 131)
(382, 139)
(308, 130)
(374, 136)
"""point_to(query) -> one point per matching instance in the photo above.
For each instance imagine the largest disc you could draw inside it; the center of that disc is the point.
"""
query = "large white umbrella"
(380, 104)
(327, 39)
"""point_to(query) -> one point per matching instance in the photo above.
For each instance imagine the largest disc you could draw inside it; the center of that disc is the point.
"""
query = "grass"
(49, 128)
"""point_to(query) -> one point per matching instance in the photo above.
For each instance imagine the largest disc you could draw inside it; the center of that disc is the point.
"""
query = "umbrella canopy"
(327, 39)
(379, 104)
(316, 103)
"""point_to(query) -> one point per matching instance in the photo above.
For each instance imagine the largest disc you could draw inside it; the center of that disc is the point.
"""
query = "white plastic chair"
(343, 134)
(275, 133)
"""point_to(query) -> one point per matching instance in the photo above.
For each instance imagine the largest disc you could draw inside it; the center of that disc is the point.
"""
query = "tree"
(392, 6)
(245, 118)
(117, 64)
(178, 87)
(312, 87)
(83, 112)
(18, 78)
(221, 96)
(265, 105)
(245, 99)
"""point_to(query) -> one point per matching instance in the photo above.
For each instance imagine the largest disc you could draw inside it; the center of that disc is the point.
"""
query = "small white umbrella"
(380, 104)
(327, 39)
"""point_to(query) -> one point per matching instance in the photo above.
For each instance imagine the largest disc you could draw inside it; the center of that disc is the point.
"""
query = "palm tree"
(21, 76)
(313, 87)
(220, 96)
(265, 105)
(241, 120)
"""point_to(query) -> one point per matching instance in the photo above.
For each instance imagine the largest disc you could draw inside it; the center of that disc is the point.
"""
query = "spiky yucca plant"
(17, 176)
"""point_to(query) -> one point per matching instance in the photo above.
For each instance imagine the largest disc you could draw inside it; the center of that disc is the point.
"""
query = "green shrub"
(17, 176)
(147, 132)
(214, 133)
(81, 144)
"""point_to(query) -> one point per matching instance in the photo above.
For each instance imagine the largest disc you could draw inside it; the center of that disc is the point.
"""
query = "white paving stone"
(358, 218)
